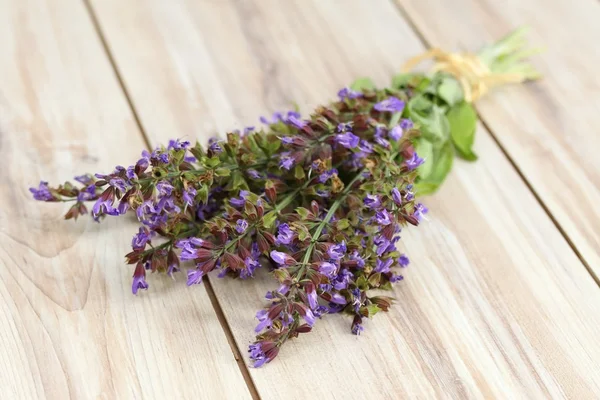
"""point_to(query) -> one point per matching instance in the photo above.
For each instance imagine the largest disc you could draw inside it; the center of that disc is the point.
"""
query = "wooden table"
(501, 299)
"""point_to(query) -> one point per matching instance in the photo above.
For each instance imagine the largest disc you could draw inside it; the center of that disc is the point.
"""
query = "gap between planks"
(413, 26)
(209, 289)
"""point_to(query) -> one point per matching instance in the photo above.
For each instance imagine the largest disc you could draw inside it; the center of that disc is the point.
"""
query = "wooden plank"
(69, 325)
(495, 303)
(548, 127)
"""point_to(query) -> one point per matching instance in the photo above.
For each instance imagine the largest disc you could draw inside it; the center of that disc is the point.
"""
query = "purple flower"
(141, 238)
(357, 329)
(312, 299)
(285, 235)
(159, 156)
(309, 317)
(247, 130)
(264, 321)
(251, 266)
(173, 267)
(130, 173)
(349, 140)
(257, 355)
(188, 196)
(391, 104)
(344, 127)
(164, 188)
(139, 282)
(396, 278)
(254, 174)
(285, 161)
(280, 257)
(214, 146)
(337, 251)
(322, 193)
(88, 193)
(379, 137)
(356, 257)
(287, 140)
(241, 226)
(357, 301)
(395, 133)
(324, 177)
(347, 93)
(403, 260)
(396, 196)
(383, 266)
(194, 276)
(337, 298)
(296, 121)
(104, 207)
(189, 247)
(84, 179)
(42, 193)
(178, 145)
(406, 123)
(365, 147)
(328, 269)
(382, 244)
(420, 211)
(342, 280)
(414, 161)
(241, 201)
(383, 217)
(372, 201)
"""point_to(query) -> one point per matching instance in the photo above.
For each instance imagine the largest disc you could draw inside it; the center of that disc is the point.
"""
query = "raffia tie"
(473, 74)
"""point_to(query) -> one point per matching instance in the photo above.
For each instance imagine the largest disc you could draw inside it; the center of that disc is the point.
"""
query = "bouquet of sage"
(319, 201)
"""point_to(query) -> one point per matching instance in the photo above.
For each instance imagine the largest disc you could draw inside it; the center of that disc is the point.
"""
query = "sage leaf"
(425, 150)
(441, 161)
(450, 91)
(463, 123)
(432, 120)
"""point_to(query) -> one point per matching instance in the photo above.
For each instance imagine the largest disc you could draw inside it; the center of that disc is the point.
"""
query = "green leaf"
(303, 212)
(342, 224)
(442, 161)
(362, 283)
(212, 162)
(431, 118)
(394, 120)
(299, 172)
(425, 150)
(450, 91)
(237, 180)
(202, 194)
(373, 309)
(362, 84)
(375, 279)
(222, 172)
(463, 124)
(269, 219)
(401, 81)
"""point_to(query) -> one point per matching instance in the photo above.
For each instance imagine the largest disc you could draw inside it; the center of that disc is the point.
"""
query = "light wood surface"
(69, 325)
(495, 304)
(549, 128)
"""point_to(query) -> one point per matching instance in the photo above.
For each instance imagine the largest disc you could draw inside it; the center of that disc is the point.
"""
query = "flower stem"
(328, 216)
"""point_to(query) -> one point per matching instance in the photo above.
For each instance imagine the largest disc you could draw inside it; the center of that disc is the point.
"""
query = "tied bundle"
(318, 201)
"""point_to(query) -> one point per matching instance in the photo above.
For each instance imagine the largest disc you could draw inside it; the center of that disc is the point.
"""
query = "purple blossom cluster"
(319, 202)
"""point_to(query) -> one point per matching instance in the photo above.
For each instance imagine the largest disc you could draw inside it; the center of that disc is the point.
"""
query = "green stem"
(325, 221)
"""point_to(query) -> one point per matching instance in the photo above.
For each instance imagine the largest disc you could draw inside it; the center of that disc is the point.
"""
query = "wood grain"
(548, 127)
(69, 325)
(495, 303)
